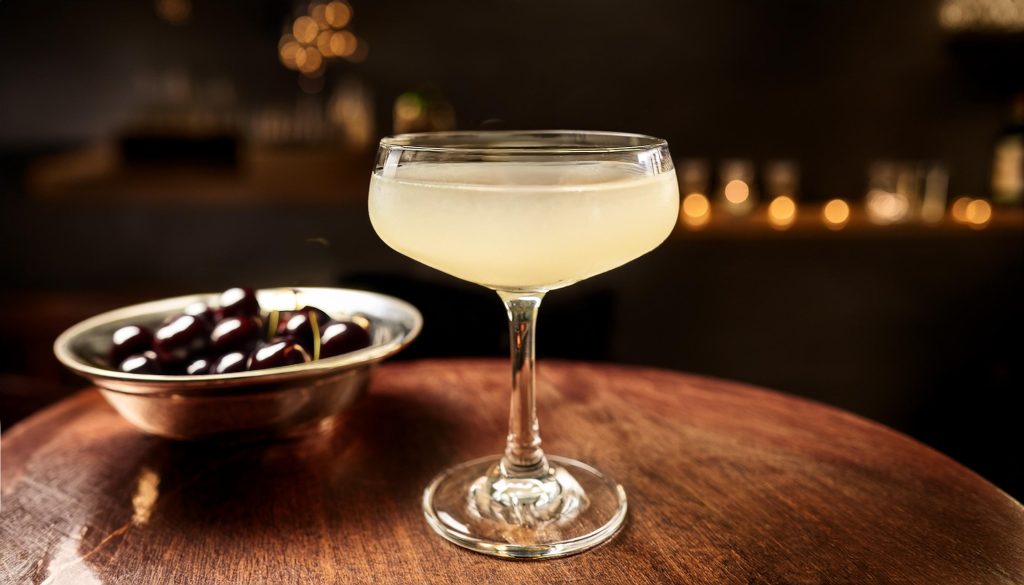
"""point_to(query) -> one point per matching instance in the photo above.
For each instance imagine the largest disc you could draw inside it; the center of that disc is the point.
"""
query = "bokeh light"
(323, 43)
(305, 29)
(309, 60)
(736, 191)
(886, 207)
(695, 212)
(288, 51)
(958, 211)
(782, 212)
(408, 106)
(346, 43)
(979, 15)
(410, 112)
(323, 29)
(338, 14)
(319, 13)
(835, 214)
(978, 213)
(338, 44)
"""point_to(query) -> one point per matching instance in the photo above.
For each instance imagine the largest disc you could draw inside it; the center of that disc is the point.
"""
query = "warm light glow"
(346, 44)
(736, 191)
(951, 16)
(289, 54)
(835, 214)
(319, 14)
(323, 43)
(885, 207)
(284, 40)
(695, 211)
(338, 44)
(696, 205)
(978, 213)
(319, 30)
(408, 107)
(782, 212)
(305, 29)
(309, 60)
(959, 209)
(978, 15)
(337, 14)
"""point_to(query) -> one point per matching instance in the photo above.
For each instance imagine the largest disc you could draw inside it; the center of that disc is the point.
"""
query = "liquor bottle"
(1008, 160)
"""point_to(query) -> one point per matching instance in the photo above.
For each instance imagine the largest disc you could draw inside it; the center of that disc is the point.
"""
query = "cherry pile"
(234, 336)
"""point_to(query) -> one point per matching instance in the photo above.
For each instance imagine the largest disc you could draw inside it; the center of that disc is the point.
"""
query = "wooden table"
(727, 484)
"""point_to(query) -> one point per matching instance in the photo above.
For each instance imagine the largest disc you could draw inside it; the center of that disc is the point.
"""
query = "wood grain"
(727, 484)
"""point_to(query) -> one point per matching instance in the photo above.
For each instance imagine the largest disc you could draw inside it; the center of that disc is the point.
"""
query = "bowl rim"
(368, 355)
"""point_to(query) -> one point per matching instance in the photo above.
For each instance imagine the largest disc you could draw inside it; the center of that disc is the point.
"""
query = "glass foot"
(567, 508)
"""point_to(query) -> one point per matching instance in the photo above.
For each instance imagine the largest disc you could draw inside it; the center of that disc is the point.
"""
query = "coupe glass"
(524, 213)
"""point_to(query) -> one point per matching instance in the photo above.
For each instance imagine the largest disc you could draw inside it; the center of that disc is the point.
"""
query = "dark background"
(916, 326)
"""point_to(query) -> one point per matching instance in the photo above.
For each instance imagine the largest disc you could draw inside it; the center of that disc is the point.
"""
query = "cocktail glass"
(524, 213)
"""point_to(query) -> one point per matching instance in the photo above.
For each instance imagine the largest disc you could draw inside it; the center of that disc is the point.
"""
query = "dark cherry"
(179, 338)
(276, 321)
(142, 363)
(237, 302)
(321, 316)
(128, 341)
(198, 367)
(276, 354)
(203, 311)
(299, 326)
(230, 363)
(236, 333)
(283, 317)
(338, 337)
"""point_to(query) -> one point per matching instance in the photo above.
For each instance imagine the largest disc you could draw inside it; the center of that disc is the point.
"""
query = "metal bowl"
(274, 402)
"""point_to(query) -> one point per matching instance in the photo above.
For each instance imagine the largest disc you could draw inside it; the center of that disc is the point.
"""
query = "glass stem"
(523, 455)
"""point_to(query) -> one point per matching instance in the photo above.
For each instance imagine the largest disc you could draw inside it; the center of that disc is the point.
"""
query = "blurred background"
(852, 177)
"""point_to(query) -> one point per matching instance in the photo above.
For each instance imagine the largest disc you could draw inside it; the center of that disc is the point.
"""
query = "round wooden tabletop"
(726, 484)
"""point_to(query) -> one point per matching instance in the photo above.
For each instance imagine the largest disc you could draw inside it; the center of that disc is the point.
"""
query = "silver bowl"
(274, 402)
